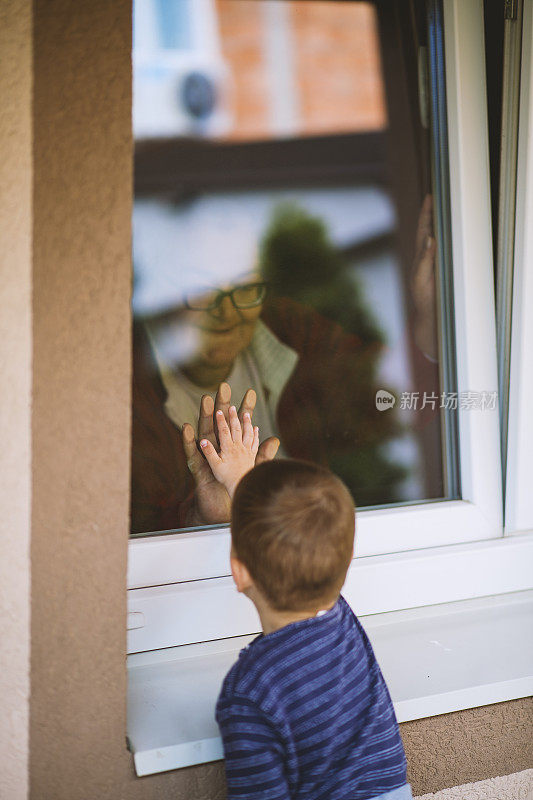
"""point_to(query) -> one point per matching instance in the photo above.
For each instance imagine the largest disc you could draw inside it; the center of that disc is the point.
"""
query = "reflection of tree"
(300, 262)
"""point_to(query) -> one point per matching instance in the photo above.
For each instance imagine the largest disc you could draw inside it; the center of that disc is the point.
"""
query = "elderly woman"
(309, 384)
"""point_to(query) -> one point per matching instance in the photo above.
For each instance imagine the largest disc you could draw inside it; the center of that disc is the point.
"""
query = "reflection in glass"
(246, 295)
(282, 243)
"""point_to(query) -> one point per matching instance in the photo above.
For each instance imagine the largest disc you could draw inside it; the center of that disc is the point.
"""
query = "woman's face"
(224, 332)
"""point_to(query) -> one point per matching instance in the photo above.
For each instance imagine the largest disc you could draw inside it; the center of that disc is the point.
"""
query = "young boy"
(304, 713)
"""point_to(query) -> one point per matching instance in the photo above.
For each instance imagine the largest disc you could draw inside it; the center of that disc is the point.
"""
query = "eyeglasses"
(248, 295)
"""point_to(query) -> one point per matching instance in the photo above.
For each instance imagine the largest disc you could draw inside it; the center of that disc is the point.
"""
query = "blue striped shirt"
(305, 714)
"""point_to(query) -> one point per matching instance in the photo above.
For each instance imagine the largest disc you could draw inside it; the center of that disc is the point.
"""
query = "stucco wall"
(82, 196)
(81, 439)
(15, 389)
(469, 745)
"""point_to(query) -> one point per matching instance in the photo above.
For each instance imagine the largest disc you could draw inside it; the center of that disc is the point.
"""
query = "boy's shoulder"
(258, 674)
(240, 678)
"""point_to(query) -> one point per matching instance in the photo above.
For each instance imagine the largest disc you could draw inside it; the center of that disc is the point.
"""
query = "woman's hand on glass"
(212, 502)
(423, 282)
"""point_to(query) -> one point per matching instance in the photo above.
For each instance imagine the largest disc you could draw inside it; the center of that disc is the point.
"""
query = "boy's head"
(292, 526)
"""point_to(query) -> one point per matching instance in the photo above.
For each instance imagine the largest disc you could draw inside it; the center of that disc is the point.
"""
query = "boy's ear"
(241, 576)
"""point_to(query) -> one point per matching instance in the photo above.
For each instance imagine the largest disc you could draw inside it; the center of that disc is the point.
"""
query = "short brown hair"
(292, 525)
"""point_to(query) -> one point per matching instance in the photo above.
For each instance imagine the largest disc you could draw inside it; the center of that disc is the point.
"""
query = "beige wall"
(81, 402)
(15, 392)
(469, 745)
(82, 196)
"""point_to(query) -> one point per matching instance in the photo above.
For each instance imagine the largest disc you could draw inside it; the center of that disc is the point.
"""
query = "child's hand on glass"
(238, 449)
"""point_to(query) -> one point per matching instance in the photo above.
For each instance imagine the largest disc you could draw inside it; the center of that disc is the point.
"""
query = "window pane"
(291, 235)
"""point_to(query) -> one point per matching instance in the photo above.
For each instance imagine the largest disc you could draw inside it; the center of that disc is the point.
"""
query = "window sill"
(436, 659)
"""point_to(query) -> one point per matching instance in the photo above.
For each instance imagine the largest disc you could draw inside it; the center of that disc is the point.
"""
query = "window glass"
(291, 236)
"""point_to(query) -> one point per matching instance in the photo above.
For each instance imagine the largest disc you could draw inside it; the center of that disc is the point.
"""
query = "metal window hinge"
(511, 9)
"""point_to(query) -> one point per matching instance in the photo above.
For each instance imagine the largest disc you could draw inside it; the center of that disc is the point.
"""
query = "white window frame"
(406, 556)
(519, 495)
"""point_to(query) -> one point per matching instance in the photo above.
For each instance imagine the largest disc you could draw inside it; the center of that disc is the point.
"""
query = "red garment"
(326, 413)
